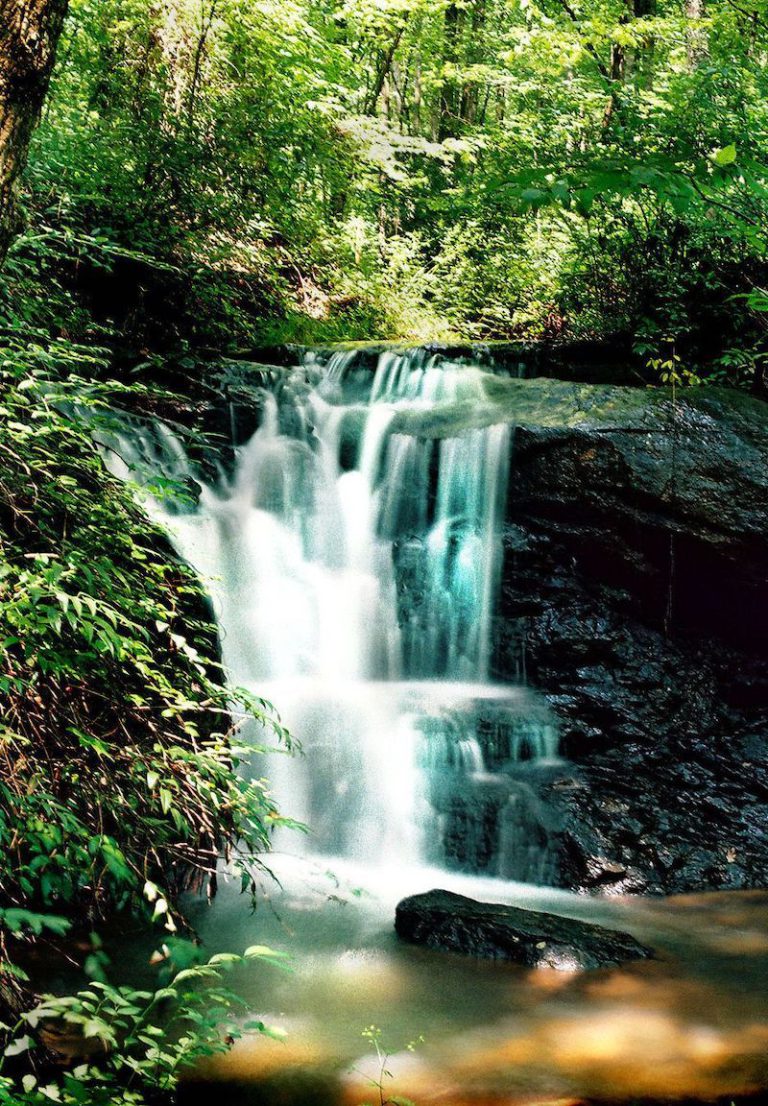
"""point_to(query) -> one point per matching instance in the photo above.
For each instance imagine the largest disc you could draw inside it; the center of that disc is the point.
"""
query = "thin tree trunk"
(450, 94)
(206, 22)
(625, 62)
(695, 34)
(383, 70)
(616, 77)
(29, 34)
(470, 93)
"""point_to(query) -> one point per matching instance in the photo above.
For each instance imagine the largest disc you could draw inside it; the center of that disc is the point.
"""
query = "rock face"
(635, 595)
(491, 931)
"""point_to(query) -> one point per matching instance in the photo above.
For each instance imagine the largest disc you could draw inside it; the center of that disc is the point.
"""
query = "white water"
(355, 573)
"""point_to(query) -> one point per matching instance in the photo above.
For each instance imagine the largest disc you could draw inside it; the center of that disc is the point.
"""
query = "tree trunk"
(206, 23)
(625, 62)
(450, 94)
(696, 39)
(383, 69)
(470, 93)
(29, 34)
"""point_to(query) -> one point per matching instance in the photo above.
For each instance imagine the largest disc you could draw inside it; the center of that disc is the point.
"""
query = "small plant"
(372, 1034)
(670, 370)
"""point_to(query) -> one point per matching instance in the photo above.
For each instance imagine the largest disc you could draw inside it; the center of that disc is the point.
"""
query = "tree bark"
(383, 69)
(29, 34)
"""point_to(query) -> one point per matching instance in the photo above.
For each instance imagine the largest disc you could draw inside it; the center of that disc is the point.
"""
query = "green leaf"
(21, 1044)
(726, 155)
(533, 196)
(271, 956)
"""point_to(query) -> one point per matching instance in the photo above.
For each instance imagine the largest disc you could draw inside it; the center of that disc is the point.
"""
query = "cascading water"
(354, 564)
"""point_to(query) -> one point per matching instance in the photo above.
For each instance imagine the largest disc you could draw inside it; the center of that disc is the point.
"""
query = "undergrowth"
(122, 782)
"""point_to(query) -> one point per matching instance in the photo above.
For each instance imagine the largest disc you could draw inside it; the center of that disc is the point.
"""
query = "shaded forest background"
(227, 172)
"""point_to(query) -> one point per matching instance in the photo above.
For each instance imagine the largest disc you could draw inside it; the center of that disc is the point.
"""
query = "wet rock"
(635, 586)
(491, 931)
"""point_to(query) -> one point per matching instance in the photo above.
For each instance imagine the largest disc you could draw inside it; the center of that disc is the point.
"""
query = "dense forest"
(202, 177)
(313, 171)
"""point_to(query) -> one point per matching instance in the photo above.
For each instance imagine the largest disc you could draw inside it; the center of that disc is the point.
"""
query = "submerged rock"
(493, 931)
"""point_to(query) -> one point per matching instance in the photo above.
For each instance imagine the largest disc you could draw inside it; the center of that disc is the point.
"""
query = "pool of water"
(692, 1023)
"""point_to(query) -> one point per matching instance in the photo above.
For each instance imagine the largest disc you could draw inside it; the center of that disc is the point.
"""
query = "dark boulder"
(492, 931)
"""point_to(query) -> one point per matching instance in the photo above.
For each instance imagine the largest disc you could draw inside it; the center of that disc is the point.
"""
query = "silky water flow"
(354, 569)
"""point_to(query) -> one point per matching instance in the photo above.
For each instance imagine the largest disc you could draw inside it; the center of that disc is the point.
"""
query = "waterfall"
(354, 569)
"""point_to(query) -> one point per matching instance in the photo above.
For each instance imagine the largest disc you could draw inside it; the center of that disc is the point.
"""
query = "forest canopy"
(487, 169)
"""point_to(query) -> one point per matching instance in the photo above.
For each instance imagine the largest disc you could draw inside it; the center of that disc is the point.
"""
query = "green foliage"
(139, 1042)
(672, 372)
(226, 172)
(90, 604)
(122, 781)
